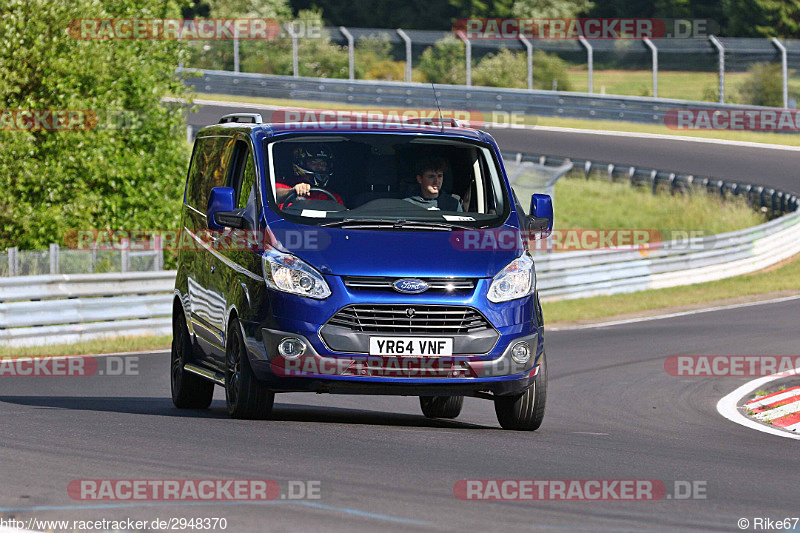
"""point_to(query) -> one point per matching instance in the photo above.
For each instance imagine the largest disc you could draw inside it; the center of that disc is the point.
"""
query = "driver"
(312, 166)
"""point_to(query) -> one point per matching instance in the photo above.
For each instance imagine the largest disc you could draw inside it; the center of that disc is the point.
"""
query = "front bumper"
(361, 373)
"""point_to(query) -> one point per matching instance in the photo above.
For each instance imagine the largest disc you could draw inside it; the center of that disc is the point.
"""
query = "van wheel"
(441, 406)
(245, 396)
(525, 411)
(189, 391)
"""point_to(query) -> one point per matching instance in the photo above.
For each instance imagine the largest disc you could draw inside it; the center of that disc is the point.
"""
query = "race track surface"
(612, 413)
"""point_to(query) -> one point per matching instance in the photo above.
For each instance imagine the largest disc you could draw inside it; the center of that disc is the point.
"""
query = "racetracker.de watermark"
(644, 241)
(203, 239)
(733, 119)
(192, 490)
(731, 365)
(174, 29)
(397, 118)
(424, 364)
(73, 366)
(578, 490)
(61, 120)
(587, 28)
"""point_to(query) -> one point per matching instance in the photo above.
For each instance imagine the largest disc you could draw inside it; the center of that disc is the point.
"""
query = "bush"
(510, 69)
(317, 58)
(763, 86)
(102, 177)
(373, 59)
(444, 62)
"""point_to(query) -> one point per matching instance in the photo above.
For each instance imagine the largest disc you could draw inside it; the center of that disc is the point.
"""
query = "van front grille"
(384, 283)
(415, 319)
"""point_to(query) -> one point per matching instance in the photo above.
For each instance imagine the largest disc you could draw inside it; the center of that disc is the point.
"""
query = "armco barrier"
(590, 273)
(420, 95)
(52, 309)
(39, 310)
(771, 201)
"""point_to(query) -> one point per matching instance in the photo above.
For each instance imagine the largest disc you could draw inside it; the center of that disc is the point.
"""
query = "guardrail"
(585, 273)
(51, 309)
(702, 51)
(64, 308)
(773, 202)
(420, 95)
(582, 274)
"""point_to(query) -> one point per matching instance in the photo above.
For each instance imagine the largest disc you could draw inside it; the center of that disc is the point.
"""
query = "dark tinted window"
(207, 170)
(243, 174)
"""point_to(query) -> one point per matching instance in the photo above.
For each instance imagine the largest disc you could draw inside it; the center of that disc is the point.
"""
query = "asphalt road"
(612, 413)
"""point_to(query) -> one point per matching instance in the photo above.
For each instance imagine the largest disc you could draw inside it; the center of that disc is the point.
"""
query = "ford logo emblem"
(410, 285)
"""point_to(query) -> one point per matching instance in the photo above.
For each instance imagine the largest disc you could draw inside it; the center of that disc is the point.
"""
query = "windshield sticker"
(457, 218)
(313, 213)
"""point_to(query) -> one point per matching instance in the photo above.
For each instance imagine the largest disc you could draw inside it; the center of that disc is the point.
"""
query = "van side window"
(243, 174)
(209, 163)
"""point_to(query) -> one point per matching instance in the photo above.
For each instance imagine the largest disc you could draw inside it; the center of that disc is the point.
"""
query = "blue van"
(367, 259)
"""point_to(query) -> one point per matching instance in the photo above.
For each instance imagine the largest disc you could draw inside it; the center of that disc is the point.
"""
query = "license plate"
(411, 346)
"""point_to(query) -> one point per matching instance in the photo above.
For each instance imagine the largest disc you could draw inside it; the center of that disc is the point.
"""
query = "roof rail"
(434, 121)
(253, 118)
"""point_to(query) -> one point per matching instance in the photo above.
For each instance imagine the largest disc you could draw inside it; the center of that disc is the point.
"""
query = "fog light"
(520, 352)
(291, 347)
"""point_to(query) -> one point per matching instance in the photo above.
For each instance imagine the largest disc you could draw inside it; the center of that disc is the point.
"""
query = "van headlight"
(516, 280)
(289, 273)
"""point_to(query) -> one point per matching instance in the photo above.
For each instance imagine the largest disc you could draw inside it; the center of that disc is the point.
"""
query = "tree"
(276, 9)
(445, 62)
(763, 85)
(106, 176)
(510, 69)
(762, 18)
(438, 14)
(551, 8)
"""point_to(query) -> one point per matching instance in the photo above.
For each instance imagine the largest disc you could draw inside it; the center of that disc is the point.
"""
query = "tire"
(441, 406)
(525, 411)
(189, 391)
(245, 396)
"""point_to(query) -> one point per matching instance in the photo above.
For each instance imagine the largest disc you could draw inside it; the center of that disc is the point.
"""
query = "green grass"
(532, 120)
(598, 204)
(671, 84)
(783, 280)
(99, 346)
(581, 204)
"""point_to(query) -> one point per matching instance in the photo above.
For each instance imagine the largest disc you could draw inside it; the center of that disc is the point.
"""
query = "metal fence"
(490, 101)
(54, 260)
(715, 56)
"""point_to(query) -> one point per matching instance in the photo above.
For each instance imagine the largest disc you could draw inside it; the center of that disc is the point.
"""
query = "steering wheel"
(290, 198)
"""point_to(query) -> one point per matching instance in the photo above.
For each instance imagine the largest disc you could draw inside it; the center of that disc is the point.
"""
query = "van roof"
(280, 128)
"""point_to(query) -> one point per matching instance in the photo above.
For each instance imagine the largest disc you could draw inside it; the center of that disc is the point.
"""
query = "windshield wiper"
(365, 222)
(393, 224)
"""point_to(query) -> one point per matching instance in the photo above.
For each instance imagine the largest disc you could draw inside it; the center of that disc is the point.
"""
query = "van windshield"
(388, 181)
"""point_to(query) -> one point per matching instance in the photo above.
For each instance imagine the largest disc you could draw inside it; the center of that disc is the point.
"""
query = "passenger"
(430, 175)
(312, 166)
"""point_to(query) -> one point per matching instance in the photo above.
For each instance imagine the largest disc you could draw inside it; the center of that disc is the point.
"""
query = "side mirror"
(540, 219)
(220, 213)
